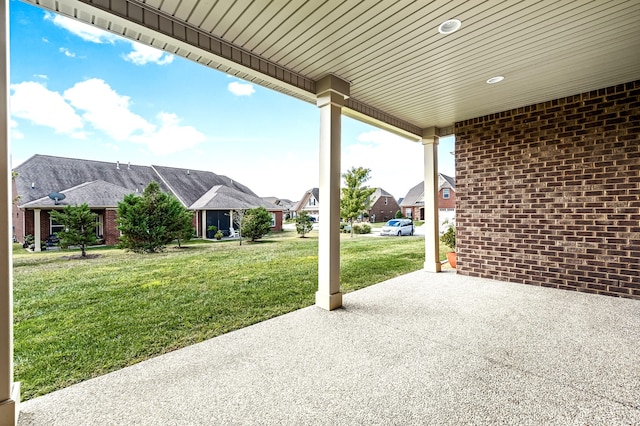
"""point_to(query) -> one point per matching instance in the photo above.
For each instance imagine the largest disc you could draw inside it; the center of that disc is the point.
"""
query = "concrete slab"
(419, 349)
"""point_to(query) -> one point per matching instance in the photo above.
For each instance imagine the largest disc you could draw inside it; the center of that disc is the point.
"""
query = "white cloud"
(396, 163)
(67, 52)
(143, 54)
(106, 110)
(42, 76)
(110, 112)
(14, 132)
(96, 103)
(241, 89)
(140, 55)
(34, 102)
(170, 137)
(82, 30)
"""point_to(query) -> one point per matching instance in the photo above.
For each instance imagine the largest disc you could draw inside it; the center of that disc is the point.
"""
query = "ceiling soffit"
(404, 75)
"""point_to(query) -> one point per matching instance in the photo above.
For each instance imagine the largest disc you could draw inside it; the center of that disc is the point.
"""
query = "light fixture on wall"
(496, 79)
(449, 26)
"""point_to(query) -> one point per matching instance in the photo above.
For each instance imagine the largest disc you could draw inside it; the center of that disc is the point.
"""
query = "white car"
(397, 227)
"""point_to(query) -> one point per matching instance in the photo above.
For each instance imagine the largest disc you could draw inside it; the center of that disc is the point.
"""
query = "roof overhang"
(404, 75)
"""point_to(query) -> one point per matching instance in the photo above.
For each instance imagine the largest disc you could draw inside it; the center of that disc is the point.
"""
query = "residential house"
(383, 206)
(412, 204)
(284, 203)
(101, 185)
(310, 203)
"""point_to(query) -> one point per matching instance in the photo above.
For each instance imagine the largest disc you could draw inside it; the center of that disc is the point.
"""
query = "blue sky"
(80, 92)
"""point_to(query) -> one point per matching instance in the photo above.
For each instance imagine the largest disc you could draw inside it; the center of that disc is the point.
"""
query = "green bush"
(449, 238)
(362, 228)
(399, 215)
(256, 223)
(303, 224)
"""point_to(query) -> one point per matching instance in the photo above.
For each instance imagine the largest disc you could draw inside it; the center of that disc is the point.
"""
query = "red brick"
(553, 186)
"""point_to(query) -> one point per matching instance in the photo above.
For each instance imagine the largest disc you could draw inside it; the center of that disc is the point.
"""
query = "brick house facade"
(549, 194)
(102, 185)
(412, 205)
(383, 206)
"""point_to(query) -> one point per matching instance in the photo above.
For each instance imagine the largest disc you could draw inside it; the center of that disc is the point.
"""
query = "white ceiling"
(402, 71)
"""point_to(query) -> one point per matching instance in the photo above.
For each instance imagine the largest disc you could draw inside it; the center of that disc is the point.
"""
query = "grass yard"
(77, 319)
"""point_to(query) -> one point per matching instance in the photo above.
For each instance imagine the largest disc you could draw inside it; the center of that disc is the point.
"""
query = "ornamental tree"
(356, 196)
(256, 223)
(304, 225)
(79, 226)
(151, 221)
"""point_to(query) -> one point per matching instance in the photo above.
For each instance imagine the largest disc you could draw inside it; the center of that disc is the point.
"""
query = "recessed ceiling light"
(496, 79)
(449, 26)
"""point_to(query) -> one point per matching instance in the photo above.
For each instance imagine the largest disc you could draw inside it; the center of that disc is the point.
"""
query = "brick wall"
(447, 203)
(549, 194)
(382, 211)
(111, 232)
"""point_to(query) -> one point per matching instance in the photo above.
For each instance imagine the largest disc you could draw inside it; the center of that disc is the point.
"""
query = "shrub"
(256, 223)
(150, 222)
(362, 228)
(304, 225)
(79, 226)
(449, 238)
(399, 215)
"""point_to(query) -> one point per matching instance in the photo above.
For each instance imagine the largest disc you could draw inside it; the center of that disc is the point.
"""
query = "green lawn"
(76, 319)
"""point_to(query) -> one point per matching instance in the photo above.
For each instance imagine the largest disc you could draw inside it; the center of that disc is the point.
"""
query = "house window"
(55, 227)
(312, 201)
(99, 225)
(273, 220)
(386, 201)
(445, 193)
(408, 213)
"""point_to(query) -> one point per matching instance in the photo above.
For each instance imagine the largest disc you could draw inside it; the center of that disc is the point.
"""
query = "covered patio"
(418, 349)
(542, 97)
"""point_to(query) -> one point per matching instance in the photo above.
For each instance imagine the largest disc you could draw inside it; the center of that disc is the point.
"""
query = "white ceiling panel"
(391, 52)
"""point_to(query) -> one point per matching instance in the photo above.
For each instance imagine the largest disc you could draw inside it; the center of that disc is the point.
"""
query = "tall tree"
(256, 223)
(151, 221)
(79, 226)
(356, 195)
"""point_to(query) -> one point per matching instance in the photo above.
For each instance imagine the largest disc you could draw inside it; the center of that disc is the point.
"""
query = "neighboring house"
(286, 205)
(412, 204)
(310, 202)
(383, 206)
(102, 185)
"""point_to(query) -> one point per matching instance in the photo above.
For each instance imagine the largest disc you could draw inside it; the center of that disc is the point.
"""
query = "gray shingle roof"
(451, 181)
(41, 175)
(189, 185)
(96, 194)
(56, 174)
(226, 198)
(379, 193)
(415, 195)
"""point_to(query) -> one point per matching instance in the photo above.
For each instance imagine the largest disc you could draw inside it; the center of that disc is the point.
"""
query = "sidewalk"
(419, 349)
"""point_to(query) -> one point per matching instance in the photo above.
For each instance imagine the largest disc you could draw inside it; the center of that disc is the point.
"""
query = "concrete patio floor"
(419, 349)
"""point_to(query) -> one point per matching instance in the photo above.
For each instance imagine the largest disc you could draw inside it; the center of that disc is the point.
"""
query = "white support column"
(9, 391)
(203, 223)
(331, 92)
(36, 230)
(431, 220)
